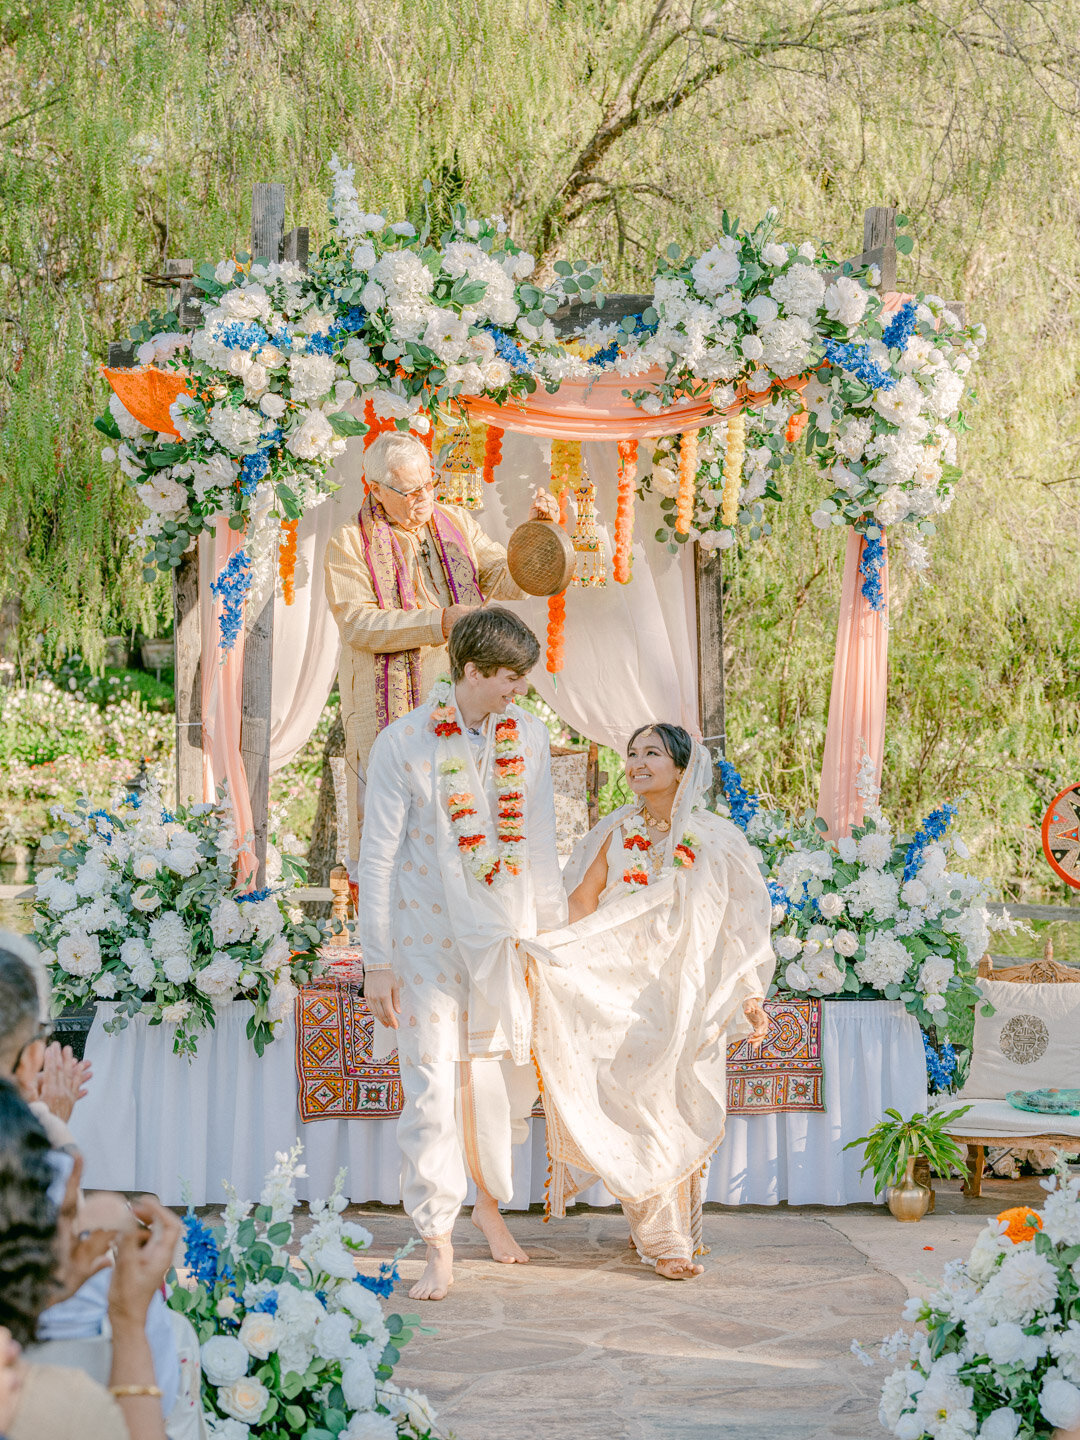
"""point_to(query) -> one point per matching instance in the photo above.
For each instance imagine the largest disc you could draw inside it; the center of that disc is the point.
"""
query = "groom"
(457, 861)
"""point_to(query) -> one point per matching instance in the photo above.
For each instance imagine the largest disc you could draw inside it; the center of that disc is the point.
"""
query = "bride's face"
(650, 770)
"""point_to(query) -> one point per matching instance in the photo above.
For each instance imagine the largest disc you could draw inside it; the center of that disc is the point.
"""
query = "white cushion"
(998, 1120)
(1031, 1042)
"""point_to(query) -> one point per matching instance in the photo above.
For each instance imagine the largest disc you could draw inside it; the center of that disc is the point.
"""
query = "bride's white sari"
(634, 1007)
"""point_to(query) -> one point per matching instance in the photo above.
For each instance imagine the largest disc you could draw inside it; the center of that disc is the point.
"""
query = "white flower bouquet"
(998, 1356)
(874, 914)
(293, 1340)
(143, 909)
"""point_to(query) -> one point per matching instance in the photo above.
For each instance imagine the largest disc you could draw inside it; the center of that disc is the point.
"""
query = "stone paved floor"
(585, 1343)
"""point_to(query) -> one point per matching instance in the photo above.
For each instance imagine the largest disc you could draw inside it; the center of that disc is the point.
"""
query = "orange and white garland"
(507, 860)
(688, 464)
(637, 845)
(624, 512)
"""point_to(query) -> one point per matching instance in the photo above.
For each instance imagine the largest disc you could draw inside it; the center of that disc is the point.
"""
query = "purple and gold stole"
(397, 673)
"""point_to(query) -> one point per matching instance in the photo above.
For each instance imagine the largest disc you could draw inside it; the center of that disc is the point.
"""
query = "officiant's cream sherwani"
(465, 1027)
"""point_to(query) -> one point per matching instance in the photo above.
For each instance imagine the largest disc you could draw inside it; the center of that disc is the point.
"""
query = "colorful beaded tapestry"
(787, 1073)
(337, 1078)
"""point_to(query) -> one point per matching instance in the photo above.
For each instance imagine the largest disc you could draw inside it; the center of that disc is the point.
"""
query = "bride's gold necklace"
(650, 820)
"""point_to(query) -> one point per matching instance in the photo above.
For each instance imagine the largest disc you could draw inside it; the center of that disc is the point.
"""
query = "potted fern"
(893, 1147)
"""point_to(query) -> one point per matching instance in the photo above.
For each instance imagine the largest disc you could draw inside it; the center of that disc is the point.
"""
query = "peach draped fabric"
(222, 695)
(147, 392)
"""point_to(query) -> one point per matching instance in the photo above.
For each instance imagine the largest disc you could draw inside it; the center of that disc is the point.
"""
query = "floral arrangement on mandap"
(998, 1355)
(143, 909)
(294, 1344)
(398, 323)
(876, 914)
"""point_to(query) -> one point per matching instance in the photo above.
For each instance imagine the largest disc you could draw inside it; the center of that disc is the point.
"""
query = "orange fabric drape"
(147, 393)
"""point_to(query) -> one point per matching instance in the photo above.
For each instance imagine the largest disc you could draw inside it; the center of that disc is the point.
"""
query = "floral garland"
(636, 840)
(493, 867)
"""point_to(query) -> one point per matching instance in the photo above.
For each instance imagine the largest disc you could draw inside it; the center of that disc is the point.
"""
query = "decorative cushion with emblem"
(1031, 1042)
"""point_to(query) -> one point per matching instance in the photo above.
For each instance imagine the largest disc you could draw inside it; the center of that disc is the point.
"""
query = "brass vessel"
(909, 1200)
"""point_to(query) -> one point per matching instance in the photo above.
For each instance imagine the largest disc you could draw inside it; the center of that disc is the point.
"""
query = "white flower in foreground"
(227, 1429)
(787, 947)
(358, 1384)
(106, 985)
(823, 972)
(144, 867)
(847, 849)
(1061, 1215)
(764, 309)
(1059, 1402)
(717, 268)
(224, 1360)
(874, 849)
(314, 437)
(176, 1013)
(796, 978)
(79, 954)
(227, 923)
(1000, 1424)
(845, 942)
(220, 976)
(896, 1394)
(831, 906)
(774, 254)
(799, 290)
(245, 1399)
(282, 998)
(1065, 1347)
(144, 898)
(914, 892)
(846, 300)
(886, 961)
(1024, 1286)
(370, 1425)
(162, 494)
(235, 430)
(259, 1334)
(1007, 1344)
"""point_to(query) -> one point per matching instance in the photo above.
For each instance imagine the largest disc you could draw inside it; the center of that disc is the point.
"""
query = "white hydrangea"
(228, 923)
(875, 892)
(935, 974)
(311, 376)
(1007, 1344)
(787, 947)
(787, 346)
(1065, 1344)
(874, 849)
(1023, 1286)
(224, 1359)
(1061, 1214)
(1059, 1402)
(236, 429)
(885, 961)
(800, 290)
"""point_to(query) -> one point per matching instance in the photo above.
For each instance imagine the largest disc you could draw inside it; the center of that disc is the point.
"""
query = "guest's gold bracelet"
(125, 1392)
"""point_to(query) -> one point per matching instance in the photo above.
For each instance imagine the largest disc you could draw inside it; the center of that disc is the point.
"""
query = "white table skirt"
(152, 1121)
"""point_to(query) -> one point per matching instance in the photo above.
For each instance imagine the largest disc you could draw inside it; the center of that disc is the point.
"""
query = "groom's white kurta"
(452, 946)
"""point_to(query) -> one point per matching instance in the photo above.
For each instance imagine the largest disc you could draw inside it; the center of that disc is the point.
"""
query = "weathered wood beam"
(575, 315)
(267, 222)
(255, 722)
(122, 355)
(709, 595)
(295, 246)
(879, 233)
(187, 672)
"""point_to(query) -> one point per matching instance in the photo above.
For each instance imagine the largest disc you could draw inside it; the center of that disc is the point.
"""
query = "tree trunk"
(322, 856)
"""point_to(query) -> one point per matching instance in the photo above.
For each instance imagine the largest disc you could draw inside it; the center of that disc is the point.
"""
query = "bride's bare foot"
(678, 1269)
(490, 1223)
(438, 1274)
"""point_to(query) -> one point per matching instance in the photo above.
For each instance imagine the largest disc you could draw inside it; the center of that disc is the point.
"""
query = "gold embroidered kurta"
(366, 630)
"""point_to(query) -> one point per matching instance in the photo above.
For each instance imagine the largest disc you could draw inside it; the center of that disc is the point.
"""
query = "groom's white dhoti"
(464, 1036)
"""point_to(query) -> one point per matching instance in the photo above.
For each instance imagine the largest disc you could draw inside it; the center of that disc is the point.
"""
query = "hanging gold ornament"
(459, 477)
(591, 570)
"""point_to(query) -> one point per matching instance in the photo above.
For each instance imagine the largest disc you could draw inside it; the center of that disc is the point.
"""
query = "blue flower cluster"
(778, 895)
(607, 356)
(855, 359)
(383, 1283)
(349, 323)
(320, 344)
(237, 335)
(267, 1305)
(254, 896)
(932, 828)
(231, 586)
(104, 829)
(282, 339)
(744, 806)
(200, 1249)
(253, 468)
(509, 350)
(873, 557)
(940, 1064)
(900, 328)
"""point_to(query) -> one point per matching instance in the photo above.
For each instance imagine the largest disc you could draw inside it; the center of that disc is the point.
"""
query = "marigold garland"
(287, 560)
(557, 607)
(624, 511)
(688, 462)
(1022, 1223)
(636, 838)
(796, 425)
(734, 455)
(492, 452)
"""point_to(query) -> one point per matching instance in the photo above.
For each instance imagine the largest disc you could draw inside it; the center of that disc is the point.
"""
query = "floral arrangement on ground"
(294, 1344)
(400, 324)
(142, 909)
(873, 915)
(998, 1355)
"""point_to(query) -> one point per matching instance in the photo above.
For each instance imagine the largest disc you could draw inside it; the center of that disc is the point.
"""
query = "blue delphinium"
(509, 350)
(254, 896)
(200, 1249)
(606, 356)
(241, 335)
(873, 557)
(900, 328)
(253, 468)
(940, 1064)
(383, 1283)
(778, 895)
(231, 586)
(349, 323)
(267, 1305)
(855, 359)
(319, 344)
(932, 828)
(744, 806)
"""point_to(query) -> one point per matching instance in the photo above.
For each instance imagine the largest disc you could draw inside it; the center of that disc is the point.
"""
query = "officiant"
(397, 578)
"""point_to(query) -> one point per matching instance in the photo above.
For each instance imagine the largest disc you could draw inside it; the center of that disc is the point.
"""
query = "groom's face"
(494, 693)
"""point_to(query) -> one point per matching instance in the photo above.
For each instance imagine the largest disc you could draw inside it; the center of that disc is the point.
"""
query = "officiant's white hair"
(388, 452)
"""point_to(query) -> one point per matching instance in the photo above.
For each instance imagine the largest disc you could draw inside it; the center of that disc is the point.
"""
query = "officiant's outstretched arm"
(397, 578)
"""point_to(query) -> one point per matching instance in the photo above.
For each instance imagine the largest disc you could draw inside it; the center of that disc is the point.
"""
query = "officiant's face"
(409, 496)
(649, 768)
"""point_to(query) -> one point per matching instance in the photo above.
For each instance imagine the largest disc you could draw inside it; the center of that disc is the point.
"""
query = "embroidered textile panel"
(787, 1074)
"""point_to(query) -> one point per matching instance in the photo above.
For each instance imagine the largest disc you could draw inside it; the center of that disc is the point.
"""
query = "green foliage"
(894, 1141)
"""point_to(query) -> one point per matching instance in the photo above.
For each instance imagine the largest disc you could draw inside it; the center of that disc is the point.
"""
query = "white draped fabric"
(630, 649)
(155, 1122)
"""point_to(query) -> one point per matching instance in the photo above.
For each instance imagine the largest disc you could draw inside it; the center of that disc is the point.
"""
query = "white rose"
(312, 438)
(259, 1334)
(716, 270)
(763, 308)
(831, 906)
(177, 969)
(272, 405)
(145, 899)
(79, 954)
(752, 347)
(245, 1399)
(372, 297)
(363, 371)
(787, 946)
(796, 978)
(105, 985)
(845, 942)
(176, 1013)
(145, 867)
(224, 1360)
(774, 254)
(847, 849)
(1060, 1404)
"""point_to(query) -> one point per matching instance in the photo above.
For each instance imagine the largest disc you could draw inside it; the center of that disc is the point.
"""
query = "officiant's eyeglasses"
(428, 484)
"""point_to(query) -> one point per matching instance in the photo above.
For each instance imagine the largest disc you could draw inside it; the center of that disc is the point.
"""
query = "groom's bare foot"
(490, 1223)
(438, 1274)
(678, 1269)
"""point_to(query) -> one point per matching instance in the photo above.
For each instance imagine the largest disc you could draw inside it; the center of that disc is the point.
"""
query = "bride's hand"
(754, 1011)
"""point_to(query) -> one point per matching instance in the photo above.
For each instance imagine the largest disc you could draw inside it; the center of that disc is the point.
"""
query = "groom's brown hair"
(491, 638)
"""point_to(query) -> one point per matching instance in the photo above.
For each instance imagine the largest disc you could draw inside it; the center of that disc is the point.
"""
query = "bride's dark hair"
(673, 738)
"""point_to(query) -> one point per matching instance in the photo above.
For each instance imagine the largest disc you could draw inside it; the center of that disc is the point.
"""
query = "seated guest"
(41, 1258)
(51, 1080)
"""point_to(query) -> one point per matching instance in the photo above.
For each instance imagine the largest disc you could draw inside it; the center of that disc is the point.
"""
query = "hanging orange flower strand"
(624, 511)
(556, 627)
(688, 458)
(492, 452)
(287, 560)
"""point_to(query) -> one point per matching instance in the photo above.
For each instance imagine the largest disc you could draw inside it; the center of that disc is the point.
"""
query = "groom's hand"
(383, 994)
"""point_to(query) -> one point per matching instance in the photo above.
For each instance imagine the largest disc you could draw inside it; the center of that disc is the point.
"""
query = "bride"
(667, 958)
